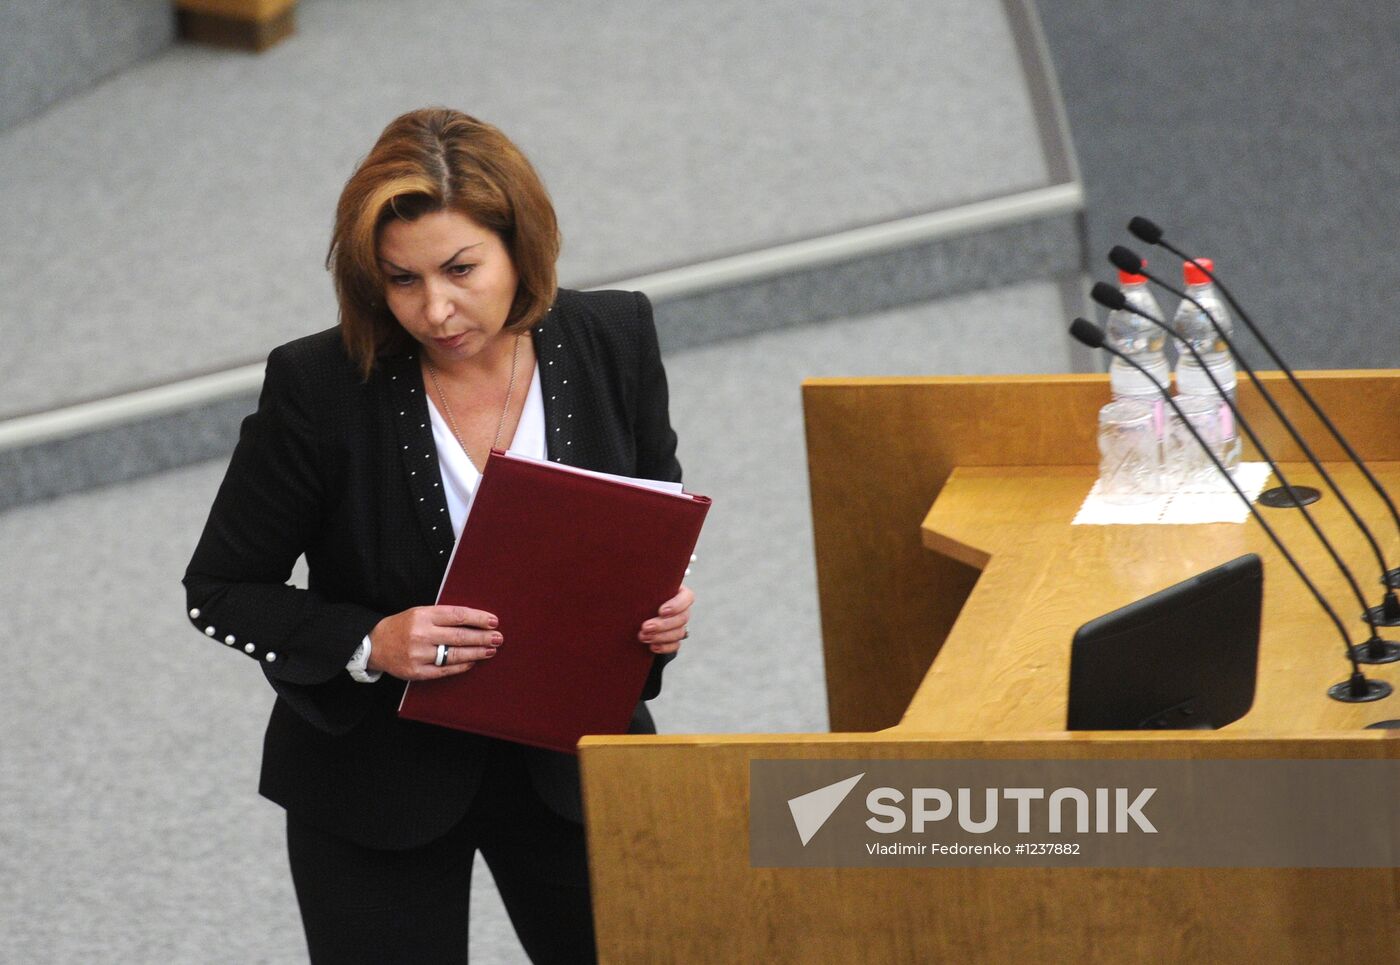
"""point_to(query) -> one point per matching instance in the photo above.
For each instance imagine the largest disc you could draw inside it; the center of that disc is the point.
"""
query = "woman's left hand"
(665, 631)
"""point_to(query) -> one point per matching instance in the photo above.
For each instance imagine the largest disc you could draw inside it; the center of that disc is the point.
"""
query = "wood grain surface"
(668, 851)
(1005, 666)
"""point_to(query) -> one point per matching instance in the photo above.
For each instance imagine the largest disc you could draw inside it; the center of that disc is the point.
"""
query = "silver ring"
(441, 655)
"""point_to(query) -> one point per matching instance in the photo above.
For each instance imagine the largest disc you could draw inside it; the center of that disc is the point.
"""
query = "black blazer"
(345, 471)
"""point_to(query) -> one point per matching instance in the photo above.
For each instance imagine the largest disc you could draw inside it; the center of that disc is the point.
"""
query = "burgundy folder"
(572, 565)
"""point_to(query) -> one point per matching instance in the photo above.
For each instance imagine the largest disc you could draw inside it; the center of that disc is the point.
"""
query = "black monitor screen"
(1183, 658)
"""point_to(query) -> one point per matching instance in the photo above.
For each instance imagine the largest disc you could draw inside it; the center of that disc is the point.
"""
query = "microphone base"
(1278, 498)
(1359, 690)
(1384, 614)
(1384, 725)
(1376, 650)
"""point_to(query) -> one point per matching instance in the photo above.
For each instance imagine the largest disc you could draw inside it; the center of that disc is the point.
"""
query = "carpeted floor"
(173, 220)
(1262, 134)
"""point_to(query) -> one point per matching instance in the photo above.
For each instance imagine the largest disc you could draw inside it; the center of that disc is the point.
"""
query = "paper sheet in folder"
(572, 564)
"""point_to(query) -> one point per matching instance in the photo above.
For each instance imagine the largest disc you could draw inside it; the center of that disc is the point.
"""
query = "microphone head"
(1125, 259)
(1145, 230)
(1087, 332)
(1107, 296)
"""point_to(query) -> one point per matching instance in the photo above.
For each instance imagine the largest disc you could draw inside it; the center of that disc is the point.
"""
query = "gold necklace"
(447, 409)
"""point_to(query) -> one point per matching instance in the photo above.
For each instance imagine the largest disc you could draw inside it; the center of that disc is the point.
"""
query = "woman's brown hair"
(429, 160)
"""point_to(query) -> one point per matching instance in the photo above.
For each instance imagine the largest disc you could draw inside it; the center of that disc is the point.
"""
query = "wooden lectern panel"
(668, 850)
(878, 452)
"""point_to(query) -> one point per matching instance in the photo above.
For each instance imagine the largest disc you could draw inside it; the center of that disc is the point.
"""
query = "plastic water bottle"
(1191, 380)
(1141, 341)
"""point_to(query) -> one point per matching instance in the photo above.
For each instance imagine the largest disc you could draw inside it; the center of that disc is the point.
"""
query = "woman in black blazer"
(443, 257)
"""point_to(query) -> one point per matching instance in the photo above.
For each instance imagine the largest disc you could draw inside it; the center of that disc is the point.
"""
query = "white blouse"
(459, 477)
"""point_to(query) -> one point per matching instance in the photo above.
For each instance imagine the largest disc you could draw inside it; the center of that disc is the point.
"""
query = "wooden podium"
(951, 584)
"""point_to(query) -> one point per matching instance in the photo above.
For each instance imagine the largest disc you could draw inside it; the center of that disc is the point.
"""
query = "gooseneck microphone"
(1387, 612)
(1150, 233)
(1375, 649)
(1355, 689)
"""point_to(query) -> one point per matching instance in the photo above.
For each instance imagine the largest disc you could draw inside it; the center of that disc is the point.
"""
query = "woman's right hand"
(405, 644)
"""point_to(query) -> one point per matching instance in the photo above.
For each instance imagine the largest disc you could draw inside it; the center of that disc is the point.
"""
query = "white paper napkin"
(1179, 508)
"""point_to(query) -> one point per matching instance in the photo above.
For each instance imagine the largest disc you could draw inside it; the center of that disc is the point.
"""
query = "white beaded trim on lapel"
(425, 499)
(539, 330)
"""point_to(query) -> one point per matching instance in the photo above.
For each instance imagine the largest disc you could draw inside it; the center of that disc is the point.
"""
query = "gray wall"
(52, 48)
(1264, 135)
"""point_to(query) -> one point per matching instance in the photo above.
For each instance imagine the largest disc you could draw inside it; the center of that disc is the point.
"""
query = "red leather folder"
(572, 565)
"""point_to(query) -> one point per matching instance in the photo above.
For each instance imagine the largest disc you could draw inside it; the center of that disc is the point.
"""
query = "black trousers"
(360, 904)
